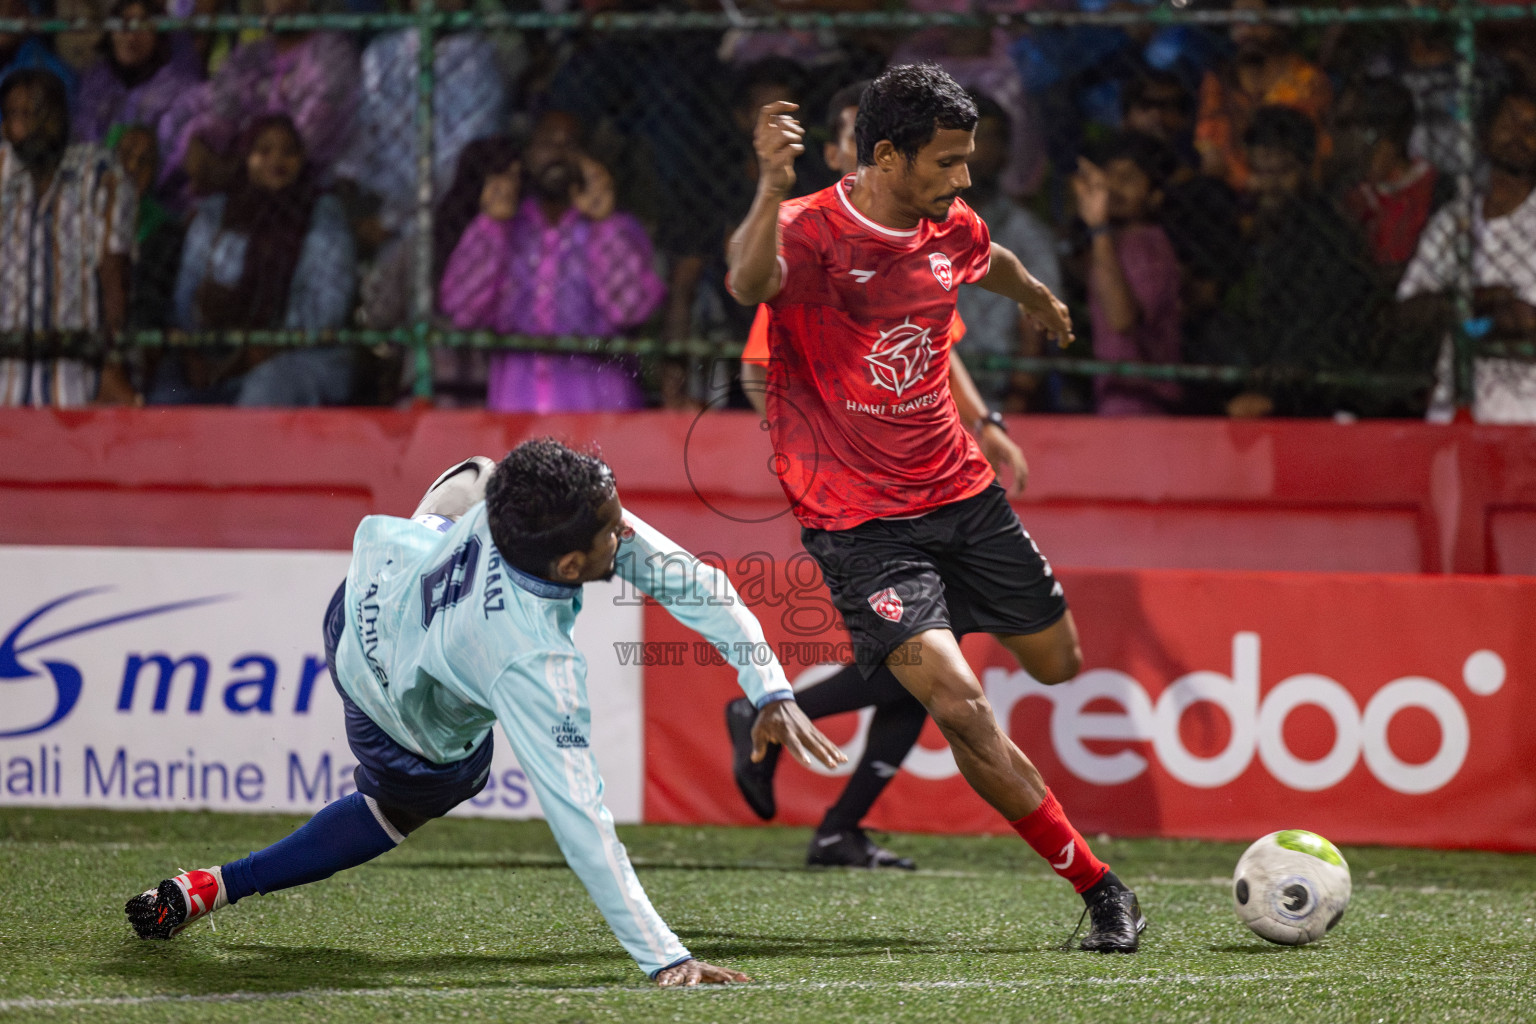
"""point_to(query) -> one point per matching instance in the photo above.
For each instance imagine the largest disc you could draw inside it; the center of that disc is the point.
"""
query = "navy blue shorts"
(390, 773)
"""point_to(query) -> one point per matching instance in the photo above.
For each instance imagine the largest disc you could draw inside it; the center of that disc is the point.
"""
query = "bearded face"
(38, 134)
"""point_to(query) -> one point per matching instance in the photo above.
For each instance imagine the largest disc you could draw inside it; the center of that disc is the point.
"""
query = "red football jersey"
(863, 424)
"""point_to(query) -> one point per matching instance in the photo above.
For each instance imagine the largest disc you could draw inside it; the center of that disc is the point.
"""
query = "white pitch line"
(771, 986)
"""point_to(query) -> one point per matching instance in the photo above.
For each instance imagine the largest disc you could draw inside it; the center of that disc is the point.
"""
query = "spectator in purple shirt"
(549, 255)
(1133, 273)
(139, 78)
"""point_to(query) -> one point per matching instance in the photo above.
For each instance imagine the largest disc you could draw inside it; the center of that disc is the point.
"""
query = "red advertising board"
(1370, 708)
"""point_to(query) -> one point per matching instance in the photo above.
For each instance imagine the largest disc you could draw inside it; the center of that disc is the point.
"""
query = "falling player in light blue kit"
(462, 617)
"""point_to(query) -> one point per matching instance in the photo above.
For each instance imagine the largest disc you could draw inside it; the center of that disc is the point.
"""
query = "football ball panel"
(1291, 887)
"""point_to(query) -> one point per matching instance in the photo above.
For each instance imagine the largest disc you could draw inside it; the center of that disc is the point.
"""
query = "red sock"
(1047, 830)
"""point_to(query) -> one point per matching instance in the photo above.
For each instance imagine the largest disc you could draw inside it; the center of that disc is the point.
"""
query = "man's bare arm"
(1007, 276)
(753, 252)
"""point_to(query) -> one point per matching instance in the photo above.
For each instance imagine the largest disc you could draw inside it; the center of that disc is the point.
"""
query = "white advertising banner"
(142, 678)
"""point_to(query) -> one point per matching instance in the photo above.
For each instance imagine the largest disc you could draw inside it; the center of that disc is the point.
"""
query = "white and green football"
(1291, 887)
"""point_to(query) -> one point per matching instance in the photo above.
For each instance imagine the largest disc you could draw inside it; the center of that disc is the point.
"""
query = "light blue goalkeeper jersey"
(443, 639)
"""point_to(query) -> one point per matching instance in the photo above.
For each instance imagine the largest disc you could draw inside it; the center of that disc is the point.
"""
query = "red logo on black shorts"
(886, 604)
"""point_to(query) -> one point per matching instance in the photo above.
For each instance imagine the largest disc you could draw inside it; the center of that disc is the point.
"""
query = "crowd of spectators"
(1256, 196)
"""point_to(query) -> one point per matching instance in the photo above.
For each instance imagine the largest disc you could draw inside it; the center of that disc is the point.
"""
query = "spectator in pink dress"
(1133, 273)
(549, 255)
(312, 77)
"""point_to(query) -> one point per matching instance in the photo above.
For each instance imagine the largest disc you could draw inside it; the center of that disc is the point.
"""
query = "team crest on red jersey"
(887, 604)
(941, 269)
(900, 358)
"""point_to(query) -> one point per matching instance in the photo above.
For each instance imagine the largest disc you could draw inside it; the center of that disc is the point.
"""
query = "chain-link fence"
(1249, 209)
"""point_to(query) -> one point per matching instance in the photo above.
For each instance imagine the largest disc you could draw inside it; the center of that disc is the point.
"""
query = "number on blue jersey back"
(450, 582)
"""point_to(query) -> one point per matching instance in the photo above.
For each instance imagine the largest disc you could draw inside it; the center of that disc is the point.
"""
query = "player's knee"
(1062, 665)
(962, 716)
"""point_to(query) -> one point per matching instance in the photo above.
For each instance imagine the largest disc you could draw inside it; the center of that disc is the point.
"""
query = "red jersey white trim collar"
(842, 193)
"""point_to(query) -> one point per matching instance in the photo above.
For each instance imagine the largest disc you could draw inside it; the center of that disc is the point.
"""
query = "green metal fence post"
(426, 47)
(1463, 341)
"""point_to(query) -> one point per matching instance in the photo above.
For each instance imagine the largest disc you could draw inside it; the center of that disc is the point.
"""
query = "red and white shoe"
(175, 903)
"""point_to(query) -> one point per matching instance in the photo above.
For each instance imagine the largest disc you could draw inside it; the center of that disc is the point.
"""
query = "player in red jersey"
(896, 502)
(897, 718)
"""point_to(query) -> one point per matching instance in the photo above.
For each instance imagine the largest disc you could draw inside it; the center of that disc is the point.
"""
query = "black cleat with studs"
(1116, 922)
(157, 913)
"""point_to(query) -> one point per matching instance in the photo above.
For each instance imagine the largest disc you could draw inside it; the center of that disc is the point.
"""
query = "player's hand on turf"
(778, 139)
(594, 199)
(697, 972)
(1001, 452)
(498, 197)
(783, 722)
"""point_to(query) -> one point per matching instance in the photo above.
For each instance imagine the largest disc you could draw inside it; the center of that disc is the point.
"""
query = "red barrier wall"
(1189, 493)
(1215, 705)
(1122, 501)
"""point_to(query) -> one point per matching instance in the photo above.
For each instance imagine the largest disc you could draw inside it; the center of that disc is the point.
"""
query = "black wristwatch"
(996, 419)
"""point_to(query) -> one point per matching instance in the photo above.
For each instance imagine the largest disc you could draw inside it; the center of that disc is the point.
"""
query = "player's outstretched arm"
(753, 253)
(1007, 276)
(783, 722)
(697, 972)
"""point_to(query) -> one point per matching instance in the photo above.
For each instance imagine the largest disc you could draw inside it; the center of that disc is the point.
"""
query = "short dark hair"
(1284, 128)
(1384, 105)
(1151, 155)
(908, 104)
(46, 82)
(848, 96)
(542, 502)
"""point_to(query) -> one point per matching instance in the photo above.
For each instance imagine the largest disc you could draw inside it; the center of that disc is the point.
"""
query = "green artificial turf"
(478, 920)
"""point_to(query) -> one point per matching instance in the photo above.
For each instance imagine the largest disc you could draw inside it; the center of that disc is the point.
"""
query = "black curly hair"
(908, 104)
(542, 502)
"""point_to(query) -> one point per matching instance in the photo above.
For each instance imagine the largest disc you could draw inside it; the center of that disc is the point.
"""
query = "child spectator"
(157, 233)
(1133, 273)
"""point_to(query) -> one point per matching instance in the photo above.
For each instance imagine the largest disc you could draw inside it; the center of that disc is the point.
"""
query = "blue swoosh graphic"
(67, 679)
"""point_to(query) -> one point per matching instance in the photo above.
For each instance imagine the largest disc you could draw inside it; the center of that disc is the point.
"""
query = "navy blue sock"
(343, 834)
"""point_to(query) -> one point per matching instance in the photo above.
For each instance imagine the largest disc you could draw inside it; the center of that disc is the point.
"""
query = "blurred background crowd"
(1302, 201)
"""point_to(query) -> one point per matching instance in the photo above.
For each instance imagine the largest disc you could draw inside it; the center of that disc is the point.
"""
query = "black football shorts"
(969, 567)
